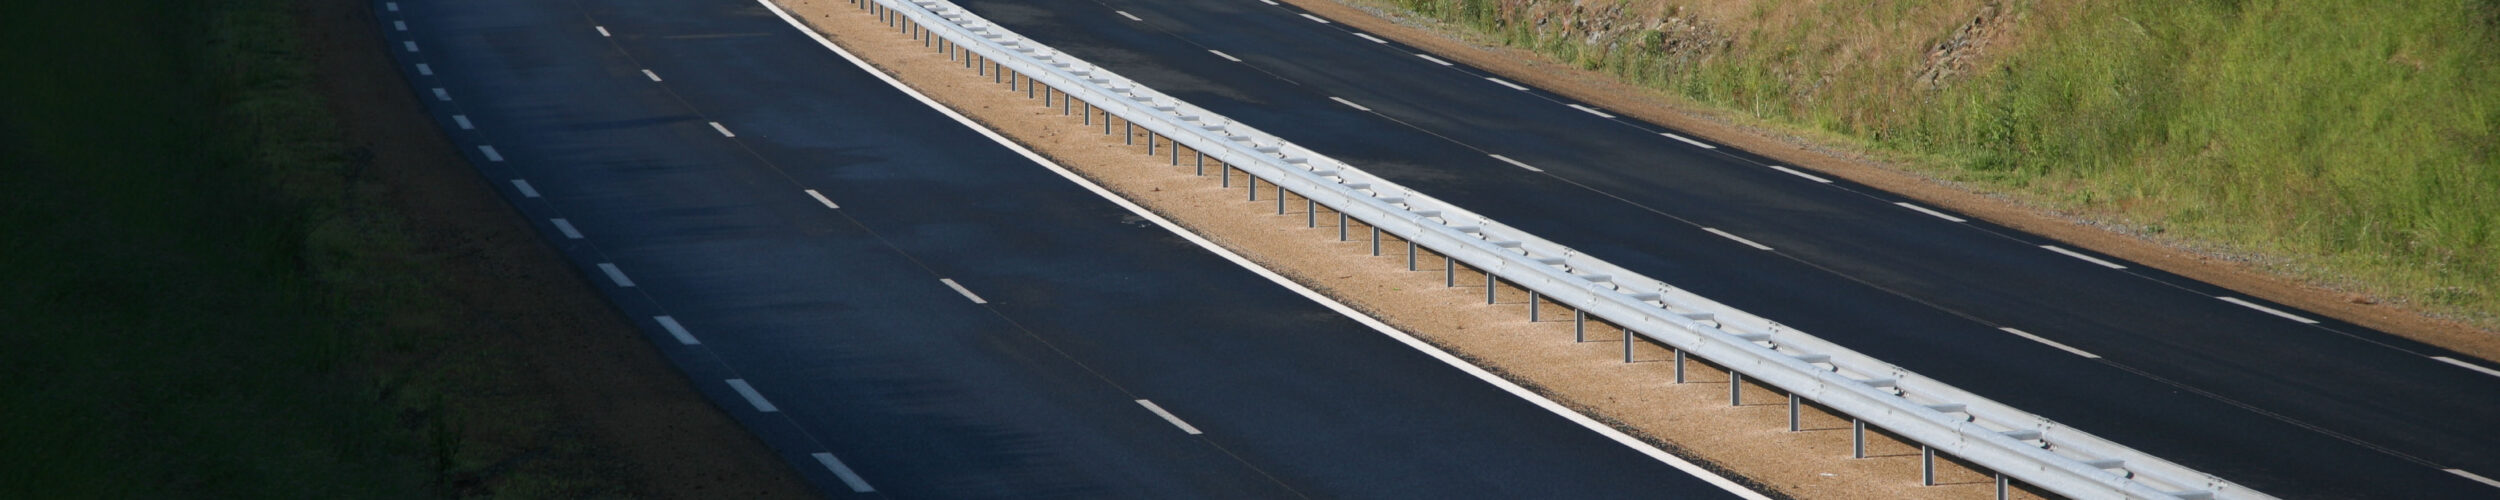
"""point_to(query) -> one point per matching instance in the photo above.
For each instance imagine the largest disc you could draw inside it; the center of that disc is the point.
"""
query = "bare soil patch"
(1694, 418)
(552, 391)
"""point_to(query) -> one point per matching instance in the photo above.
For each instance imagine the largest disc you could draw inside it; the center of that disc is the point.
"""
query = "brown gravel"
(560, 389)
(1865, 167)
(1694, 419)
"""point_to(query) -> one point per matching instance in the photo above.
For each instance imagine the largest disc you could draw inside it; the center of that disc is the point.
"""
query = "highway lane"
(2327, 409)
(901, 306)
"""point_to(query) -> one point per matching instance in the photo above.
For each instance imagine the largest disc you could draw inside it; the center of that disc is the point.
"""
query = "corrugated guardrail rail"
(1940, 418)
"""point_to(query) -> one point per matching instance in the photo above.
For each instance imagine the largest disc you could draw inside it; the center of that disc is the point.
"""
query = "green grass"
(198, 303)
(2355, 144)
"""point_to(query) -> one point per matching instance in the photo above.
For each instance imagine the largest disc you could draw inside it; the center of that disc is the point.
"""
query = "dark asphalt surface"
(839, 319)
(2325, 410)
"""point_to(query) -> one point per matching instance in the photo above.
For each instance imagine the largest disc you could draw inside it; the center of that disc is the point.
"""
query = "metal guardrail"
(1941, 418)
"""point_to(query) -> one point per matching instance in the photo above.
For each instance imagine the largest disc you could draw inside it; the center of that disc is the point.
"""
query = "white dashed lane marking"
(1315, 19)
(441, 95)
(653, 76)
(820, 198)
(1925, 210)
(424, 69)
(1227, 57)
(1167, 417)
(844, 471)
(1349, 104)
(1808, 176)
(1369, 37)
(753, 398)
(1131, 17)
(1506, 159)
(524, 187)
(390, 6)
(2268, 310)
(2468, 366)
(491, 154)
(411, 46)
(1507, 83)
(1435, 60)
(676, 330)
(2476, 477)
(2086, 258)
(1593, 111)
(1688, 140)
(959, 288)
(724, 131)
(1724, 234)
(399, 25)
(2051, 343)
(617, 275)
(603, 31)
(463, 121)
(566, 227)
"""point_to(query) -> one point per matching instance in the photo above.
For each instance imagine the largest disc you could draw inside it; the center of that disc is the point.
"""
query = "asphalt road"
(2295, 403)
(950, 318)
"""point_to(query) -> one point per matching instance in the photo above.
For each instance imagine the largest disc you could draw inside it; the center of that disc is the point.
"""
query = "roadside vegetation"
(203, 295)
(2351, 144)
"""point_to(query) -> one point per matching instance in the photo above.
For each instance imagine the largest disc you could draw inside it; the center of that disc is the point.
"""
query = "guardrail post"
(1202, 162)
(1254, 185)
(1089, 113)
(1579, 326)
(1490, 283)
(2004, 487)
(1679, 364)
(1735, 388)
(1857, 438)
(1176, 153)
(1532, 308)
(1150, 143)
(1795, 420)
(1410, 254)
(1341, 219)
(1627, 345)
(1128, 133)
(1280, 198)
(1375, 240)
(1449, 271)
(1926, 465)
(1310, 207)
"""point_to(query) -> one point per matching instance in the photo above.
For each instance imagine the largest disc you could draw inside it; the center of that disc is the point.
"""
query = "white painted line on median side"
(566, 227)
(820, 198)
(1227, 57)
(844, 471)
(654, 76)
(603, 31)
(753, 398)
(1688, 140)
(1724, 234)
(1369, 37)
(2051, 343)
(676, 330)
(1925, 210)
(441, 95)
(1507, 83)
(390, 6)
(617, 275)
(2469, 366)
(411, 46)
(2086, 258)
(491, 154)
(399, 25)
(524, 186)
(1269, 2)
(1315, 19)
(1435, 60)
(724, 131)
(1350, 104)
(1131, 17)
(959, 288)
(1340, 308)
(463, 121)
(1506, 159)
(424, 69)
(2476, 477)
(1167, 417)
(1593, 111)
(2268, 310)
(1808, 176)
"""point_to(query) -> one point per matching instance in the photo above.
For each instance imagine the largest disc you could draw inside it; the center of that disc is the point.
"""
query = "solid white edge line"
(1724, 234)
(1810, 177)
(491, 154)
(441, 95)
(2051, 343)
(1507, 83)
(2086, 258)
(400, 25)
(616, 275)
(1435, 60)
(411, 46)
(1227, 57)
(1402, 337)
(1350, 104)
(1167, 417)
(2268, 310)
(566, 227)
(1315, 18)
(2476, 477)
(2469, 366)
(843, 471)
(390, 6)
(1131, 17)
(959, 288)
(1925, 210)
(1269, 2)
(676, 330)
(424, 69)
(820, 198)
(603, 31)
(1369, 37)
(1506, 159)
(724, 131)
(654, 76)
(1688, 140)
(1590, 110)
(754, 398)
(463, 121)
(527, 191)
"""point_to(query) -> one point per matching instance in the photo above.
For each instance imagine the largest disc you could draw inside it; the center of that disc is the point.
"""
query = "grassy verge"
(205, 297)
(2351, 144)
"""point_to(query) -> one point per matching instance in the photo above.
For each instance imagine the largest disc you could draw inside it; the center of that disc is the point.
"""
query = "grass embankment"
(2351, 144)
(203, 296)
